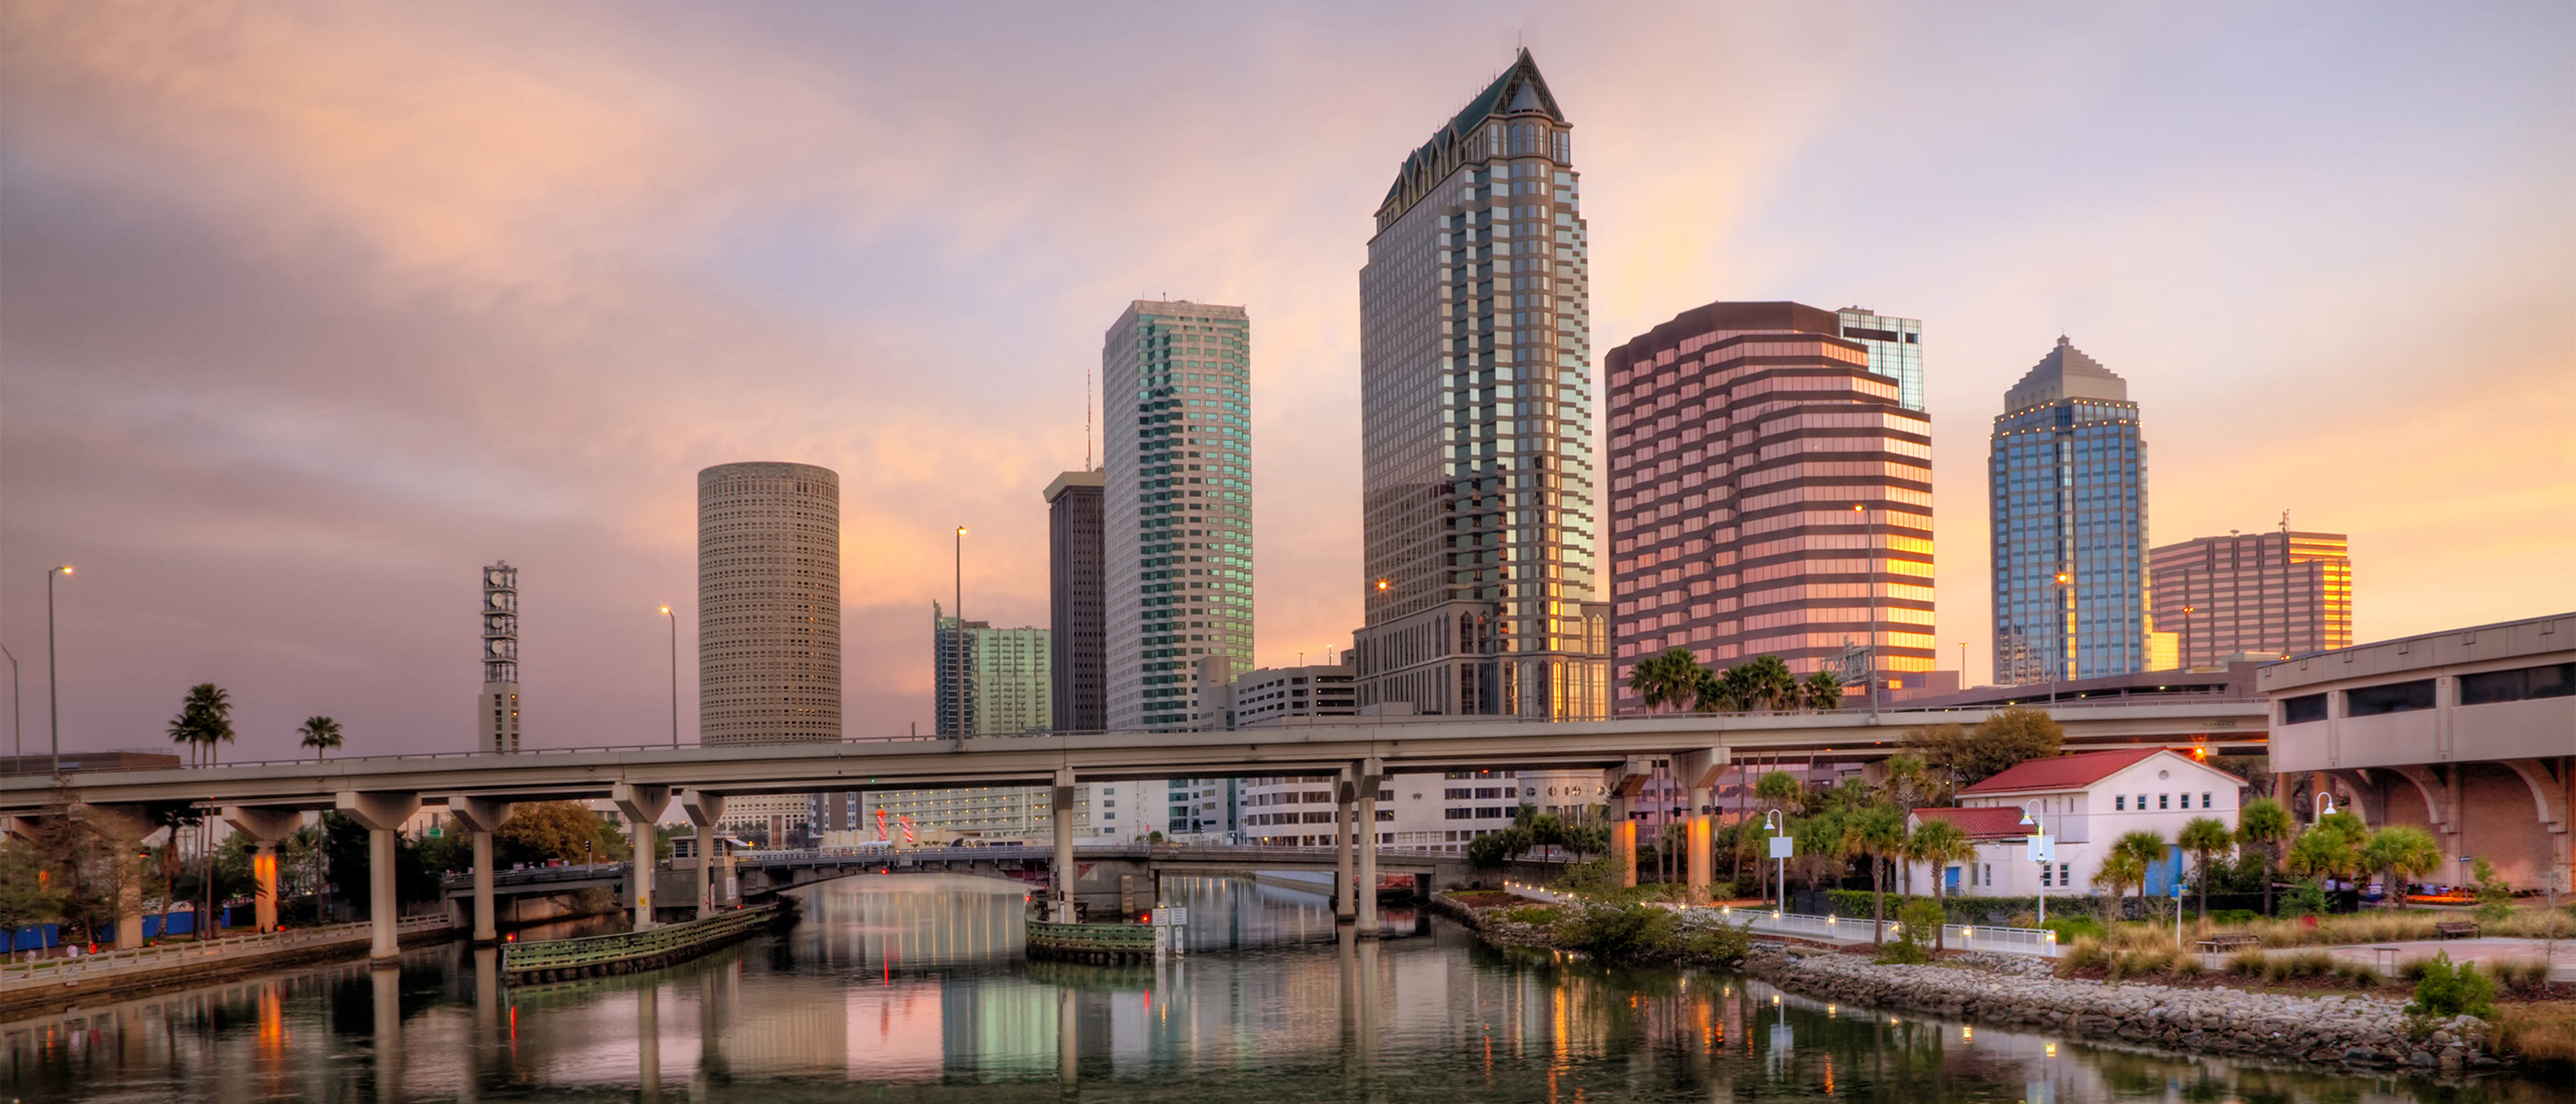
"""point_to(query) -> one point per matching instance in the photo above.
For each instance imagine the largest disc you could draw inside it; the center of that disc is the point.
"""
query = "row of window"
(2120, 802)
(2556, 680)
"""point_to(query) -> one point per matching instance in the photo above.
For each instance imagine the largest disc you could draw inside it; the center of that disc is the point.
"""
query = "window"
(2396, 697)
(2120, 802)
(2044, 881)
(1990, 875)
(2204, 801)
(2164, 800)
(2061, 875)
(2490, 687)
(2304, 709)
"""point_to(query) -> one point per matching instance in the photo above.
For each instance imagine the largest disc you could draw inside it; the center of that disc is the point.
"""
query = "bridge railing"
(2101, 701)
(1972, 937)
(539, 875)
(144, 960)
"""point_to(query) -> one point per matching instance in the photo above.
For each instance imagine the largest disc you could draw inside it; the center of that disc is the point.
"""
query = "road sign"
(2043, 848)
(1784, 847)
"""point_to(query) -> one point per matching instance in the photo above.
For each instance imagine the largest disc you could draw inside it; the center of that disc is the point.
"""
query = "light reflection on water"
(914, 987)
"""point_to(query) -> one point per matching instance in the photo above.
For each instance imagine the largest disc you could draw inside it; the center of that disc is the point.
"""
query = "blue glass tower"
(2069, 486)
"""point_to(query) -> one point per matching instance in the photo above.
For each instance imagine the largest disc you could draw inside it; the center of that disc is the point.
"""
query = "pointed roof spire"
(1520, 90)
(2065, 373)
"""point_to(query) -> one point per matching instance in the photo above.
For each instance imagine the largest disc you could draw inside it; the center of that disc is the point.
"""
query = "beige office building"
(769, 604)
(2268, 595)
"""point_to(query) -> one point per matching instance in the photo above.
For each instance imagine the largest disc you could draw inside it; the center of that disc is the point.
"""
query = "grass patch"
(2083, 954)
(2542, 1033)
(1531, 914)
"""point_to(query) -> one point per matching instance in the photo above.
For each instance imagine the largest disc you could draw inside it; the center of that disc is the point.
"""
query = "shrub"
(2412, 970)
(2081, 955)
(2522, 975)
(2071, 928)
(1720, 942)
(2304, 899)
(2234, 916)
(2310, 964)
(2446, 990)
(2246, 963)
(1620, 933)
(2148, 961)
(2186, 966)
(1917, 922)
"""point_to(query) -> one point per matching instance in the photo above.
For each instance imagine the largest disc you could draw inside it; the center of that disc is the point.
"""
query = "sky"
(309, 310)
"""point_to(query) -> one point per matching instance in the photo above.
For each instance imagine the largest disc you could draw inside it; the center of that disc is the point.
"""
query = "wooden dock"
(628, 952)
(1091, 942)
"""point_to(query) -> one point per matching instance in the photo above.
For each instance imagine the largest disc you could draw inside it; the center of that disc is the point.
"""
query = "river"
(911, 988)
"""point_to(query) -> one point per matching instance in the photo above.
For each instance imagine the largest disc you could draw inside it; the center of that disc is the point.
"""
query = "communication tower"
(499, 706)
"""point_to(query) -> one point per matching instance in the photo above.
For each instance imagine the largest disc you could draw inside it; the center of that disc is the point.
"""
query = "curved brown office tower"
(769, 604)
(1476, 423)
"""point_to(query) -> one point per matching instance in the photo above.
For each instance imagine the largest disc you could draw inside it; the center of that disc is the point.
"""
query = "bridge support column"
(264, 827)
(643, 806)
(381, 814)
(481, 817)
(1346, 898)
(1060, 814)
(1622, 784)
(1372, 773)
(1697, 771)
(704, 810)
(128, 826)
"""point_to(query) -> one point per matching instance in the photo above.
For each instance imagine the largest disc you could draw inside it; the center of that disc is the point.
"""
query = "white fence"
(143, 960)
(1965, 937)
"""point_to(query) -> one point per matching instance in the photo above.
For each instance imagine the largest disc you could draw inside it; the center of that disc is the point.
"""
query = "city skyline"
(285, 506)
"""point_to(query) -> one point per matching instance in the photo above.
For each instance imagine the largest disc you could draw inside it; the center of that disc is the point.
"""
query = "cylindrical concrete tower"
(769, 604)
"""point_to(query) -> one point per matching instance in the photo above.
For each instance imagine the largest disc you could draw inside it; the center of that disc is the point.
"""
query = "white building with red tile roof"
(2084, 803)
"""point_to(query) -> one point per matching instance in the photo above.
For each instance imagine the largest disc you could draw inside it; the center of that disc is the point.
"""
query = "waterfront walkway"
(2487, 952)
(52, 976)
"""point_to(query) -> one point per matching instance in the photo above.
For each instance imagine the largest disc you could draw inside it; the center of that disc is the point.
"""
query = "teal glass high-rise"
(2068, 481)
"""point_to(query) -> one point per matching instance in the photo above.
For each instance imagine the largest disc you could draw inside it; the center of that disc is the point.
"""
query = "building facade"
(2084, 803)
(497, 710)
(989, 681)
(769, 604)
(1077, 603)
(1476, 423)
(1176, 510)
(1895, 350)
(2270, 595)
(1438, 813)
(1019, 814)
(2068, 482)
(1770, 495)
(1269, 696)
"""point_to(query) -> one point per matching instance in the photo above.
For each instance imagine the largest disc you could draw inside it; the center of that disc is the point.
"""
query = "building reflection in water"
(919, 982)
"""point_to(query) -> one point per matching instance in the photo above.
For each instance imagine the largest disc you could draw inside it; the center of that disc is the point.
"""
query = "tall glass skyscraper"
(2068, 477)
(1176, 509)
(1895, 350)
(1476, 423)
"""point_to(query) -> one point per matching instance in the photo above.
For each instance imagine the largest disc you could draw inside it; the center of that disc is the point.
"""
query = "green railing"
(1113, 938)
(599, 950)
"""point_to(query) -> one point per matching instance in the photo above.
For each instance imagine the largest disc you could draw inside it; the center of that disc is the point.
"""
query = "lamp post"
(2065, 634)
(2040, 852)
(2187, 611)
(674, 619)
(17, 716)
(957, 661)
(53, 684)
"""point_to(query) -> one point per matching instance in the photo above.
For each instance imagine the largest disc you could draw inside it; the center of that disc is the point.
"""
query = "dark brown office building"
(1078, 603)
(2271, 594)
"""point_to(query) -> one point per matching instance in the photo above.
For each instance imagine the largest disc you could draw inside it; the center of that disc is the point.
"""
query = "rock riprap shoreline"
(2332, 1030)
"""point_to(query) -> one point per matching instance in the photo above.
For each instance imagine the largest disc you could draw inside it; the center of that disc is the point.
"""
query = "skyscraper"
(1476, 423)
(2068, 479)
(497, 711)
(1770, 495)
(991, 682)
(1176, 509)
(1077, 603)
(769, 604)
(1895, 350)
(2273, 594)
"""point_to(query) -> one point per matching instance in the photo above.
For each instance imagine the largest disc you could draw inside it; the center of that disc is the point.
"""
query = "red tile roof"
(1999, 822)
(2064, 772)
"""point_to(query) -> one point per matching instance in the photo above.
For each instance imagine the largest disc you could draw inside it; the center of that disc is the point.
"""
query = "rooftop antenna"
(1086, 417)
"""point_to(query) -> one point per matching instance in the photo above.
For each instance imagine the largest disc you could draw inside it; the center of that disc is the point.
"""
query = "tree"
(2204, 837)
(2263, 823)
(205, 720)
(27, 896)
(1937, 844)
(1878, 833)
(2403, 853)
(2007, 738)
(1771, 683)
(2118, 870)
(2144, 847)
(1824, 691)
(321, 734)
(2331, 848)
(544, 830)
(1666, 679)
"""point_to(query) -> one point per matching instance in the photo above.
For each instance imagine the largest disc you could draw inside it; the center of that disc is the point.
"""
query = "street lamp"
(17, 716)
(2065, 633)
(53, 685)
(957, 663)
(2187, 611)
(674, 619)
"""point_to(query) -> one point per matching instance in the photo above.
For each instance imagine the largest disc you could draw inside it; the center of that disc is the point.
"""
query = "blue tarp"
(35, 938)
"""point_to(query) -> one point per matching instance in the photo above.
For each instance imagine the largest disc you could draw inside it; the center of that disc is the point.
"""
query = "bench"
(2228, 941)
(2457, 929)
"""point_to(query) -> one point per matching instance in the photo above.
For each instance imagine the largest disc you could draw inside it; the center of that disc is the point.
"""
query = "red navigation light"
(1145, 918)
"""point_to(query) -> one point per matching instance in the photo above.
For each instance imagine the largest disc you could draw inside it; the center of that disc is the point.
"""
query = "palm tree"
(2203, 837)
(1773, 683)
(1824, 691)
(1937, 844)
(321, 734)
(2402, 852)
(1666, 678)
(1877, 832)
(2264, 824)
(204, 720)
(2118, 869)
(2146, 847)
(1711, 693)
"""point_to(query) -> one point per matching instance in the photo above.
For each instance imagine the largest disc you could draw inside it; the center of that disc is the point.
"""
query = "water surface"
(912, 988)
